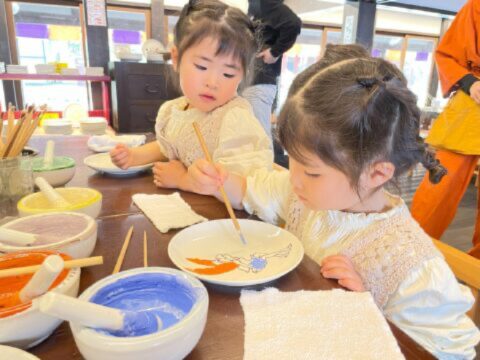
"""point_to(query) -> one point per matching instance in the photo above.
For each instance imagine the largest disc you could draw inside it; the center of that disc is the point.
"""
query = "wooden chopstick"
(123, 251)
(91, 261)
(29, 129)
(145, 251)
(226, 200)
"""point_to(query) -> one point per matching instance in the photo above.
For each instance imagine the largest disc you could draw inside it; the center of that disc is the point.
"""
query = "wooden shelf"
(53, 77)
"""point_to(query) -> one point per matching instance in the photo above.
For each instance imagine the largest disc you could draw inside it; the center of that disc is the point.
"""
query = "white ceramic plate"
(102, 162)
(9, 352)
(214, 247)
(74, 113)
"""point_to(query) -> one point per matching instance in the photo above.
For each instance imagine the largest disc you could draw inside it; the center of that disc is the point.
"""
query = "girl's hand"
(341, 268)
(169, 174)
(267, 57)
(206, 178)
(121, 156)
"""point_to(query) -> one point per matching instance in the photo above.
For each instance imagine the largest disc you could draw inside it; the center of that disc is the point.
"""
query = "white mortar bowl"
(78, 246)
(60, 173)
(83, 200)
(174, 342)
(30, 327)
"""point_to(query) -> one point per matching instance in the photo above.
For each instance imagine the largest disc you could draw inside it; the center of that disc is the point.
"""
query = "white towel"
(104, 143)
(332, 324)
(167, 211)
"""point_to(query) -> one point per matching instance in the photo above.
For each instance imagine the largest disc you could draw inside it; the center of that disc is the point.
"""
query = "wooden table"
(223, 335)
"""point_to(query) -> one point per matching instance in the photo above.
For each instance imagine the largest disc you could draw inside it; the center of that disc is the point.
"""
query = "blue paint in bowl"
(165, 296)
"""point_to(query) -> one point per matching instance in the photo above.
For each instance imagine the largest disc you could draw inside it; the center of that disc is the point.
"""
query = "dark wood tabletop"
(223, 335)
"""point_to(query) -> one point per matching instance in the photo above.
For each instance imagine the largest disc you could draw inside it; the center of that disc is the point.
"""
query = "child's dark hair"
(333, 53)
(235, 32)
(353, 113)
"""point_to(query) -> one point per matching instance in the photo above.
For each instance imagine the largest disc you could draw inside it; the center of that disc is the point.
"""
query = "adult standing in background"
(456, 132)
(279, 29)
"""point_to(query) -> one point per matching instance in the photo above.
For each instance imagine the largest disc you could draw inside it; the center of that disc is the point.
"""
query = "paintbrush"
(228, 205)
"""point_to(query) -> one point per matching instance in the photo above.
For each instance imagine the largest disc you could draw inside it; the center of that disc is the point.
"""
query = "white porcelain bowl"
(29, 327)
(83, 200)
(79, 239)
(58, 174)
(173, 342)
(9, 352)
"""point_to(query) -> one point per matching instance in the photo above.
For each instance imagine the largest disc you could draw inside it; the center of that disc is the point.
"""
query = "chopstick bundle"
(18, 134)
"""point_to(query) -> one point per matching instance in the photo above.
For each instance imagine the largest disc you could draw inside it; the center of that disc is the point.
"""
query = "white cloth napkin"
(332, 324)
(104, 143)
(167, 211)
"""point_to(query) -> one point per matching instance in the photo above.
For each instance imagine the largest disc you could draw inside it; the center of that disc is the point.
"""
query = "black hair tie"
(436, 171)
(368, 83)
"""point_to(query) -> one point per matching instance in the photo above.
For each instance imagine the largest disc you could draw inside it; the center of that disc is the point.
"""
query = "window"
(305, 52)
(388, 47)
(127, 30)
(334, 36)
(171, 22)
(45, 34)
(418, 65)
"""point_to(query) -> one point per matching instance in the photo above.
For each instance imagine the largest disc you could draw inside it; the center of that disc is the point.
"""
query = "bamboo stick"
(69, 264)
(123, 251)
(145, 249)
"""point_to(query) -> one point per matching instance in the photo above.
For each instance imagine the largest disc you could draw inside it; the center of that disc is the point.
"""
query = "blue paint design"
(258, 263)
(143, 298)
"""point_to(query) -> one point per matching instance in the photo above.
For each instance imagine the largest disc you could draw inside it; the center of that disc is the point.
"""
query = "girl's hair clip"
(368, 83)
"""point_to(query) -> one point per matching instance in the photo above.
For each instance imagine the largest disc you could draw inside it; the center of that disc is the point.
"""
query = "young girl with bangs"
(215, 45)
(349, 129)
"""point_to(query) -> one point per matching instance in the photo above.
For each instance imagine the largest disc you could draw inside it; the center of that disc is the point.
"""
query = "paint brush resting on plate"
(117, 322)
(222, 190)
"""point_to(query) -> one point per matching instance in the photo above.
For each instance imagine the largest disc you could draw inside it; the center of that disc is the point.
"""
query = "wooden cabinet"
(138, 90)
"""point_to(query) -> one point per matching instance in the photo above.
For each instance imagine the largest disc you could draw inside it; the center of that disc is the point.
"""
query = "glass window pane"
(388, 47)
(305, 52)
(172, 21)
(417, 67)
(50, 33)
(334, 36)
(126, 32)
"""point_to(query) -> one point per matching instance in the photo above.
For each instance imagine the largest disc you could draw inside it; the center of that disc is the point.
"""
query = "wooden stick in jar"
(14, 150)
(26, 133)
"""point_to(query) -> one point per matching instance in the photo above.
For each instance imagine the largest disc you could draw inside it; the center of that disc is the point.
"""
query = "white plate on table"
(102, 162)
(213, 252)
(9, 352)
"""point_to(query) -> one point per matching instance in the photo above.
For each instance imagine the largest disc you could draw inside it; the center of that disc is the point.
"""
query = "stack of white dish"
(69, 71)
(46, 69)
(93, 125)
(94, 71)
(17, 69)
(130, 57)
(57, 126)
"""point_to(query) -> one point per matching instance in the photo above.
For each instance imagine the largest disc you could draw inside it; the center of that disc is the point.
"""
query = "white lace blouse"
(429, 304)
(233, 135)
